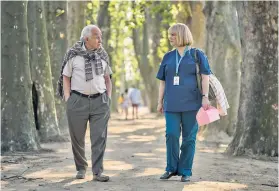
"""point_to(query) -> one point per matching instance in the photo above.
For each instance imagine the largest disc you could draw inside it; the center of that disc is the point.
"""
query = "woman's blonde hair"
(183, 34)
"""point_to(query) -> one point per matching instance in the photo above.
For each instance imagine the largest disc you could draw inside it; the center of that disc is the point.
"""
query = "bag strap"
(198, 76)
(197, 62)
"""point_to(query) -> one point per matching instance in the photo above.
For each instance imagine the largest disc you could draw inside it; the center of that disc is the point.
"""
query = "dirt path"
(135, 158)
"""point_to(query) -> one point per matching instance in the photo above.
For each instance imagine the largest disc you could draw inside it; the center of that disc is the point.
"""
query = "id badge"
(176, 80)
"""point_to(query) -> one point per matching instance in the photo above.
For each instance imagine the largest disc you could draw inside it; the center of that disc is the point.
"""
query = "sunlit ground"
(213, 186)
(135, 158)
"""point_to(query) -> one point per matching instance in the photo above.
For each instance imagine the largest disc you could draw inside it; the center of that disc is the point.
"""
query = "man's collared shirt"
(75, 69)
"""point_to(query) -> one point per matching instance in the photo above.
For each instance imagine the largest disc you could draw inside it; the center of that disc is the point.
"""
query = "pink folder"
(205, 117)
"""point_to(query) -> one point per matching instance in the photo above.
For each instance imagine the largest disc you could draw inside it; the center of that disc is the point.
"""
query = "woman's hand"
(160, 108)
(205, 103)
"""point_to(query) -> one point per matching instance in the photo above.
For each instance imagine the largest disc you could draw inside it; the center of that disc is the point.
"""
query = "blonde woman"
(180, 99)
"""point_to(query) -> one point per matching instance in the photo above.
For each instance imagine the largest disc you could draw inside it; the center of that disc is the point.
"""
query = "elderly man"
(86, 87)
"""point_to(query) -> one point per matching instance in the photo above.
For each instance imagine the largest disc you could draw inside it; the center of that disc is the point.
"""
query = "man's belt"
(87, 96)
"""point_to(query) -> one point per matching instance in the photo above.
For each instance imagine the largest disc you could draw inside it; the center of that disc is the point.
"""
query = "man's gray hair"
(87, 31)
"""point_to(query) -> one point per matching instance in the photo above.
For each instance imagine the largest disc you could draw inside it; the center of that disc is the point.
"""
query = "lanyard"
(178, 62)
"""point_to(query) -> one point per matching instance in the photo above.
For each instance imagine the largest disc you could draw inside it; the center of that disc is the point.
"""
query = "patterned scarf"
(90, 57)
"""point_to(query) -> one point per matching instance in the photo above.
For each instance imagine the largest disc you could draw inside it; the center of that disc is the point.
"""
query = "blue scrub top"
(185, 96)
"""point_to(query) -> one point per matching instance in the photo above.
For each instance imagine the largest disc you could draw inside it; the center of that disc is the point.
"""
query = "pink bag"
(205, 117)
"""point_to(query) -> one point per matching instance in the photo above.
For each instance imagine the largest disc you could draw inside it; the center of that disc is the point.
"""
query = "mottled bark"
(198, 24)
(184, 14)
(223, 51)
(257, 125)
(76, 20)
(18, 131)
(191, 14)
(43, 93)
(56, 19)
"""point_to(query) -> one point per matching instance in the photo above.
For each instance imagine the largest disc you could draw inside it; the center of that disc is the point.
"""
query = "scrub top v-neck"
(185, 96)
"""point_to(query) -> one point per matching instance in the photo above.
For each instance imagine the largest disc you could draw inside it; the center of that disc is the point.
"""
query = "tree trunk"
(43, 93)
(257, 125)
(191, 14)
(155, 36)
(104, 23)
(198, 24)
(148, 67)
(223, 51)
(76, 21)
(56, 19)
(18, 131)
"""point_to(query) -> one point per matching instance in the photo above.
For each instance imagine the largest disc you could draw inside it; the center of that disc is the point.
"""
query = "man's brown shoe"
(101, 178)
(81, 174)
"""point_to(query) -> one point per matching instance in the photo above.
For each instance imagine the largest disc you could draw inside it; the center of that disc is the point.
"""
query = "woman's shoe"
(167, 175)
(185, 178)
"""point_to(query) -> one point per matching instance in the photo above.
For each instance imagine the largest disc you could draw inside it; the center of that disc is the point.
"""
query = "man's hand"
(66, 87)
(108, 85)
(67, 97)
(109, 95)
(160, 108)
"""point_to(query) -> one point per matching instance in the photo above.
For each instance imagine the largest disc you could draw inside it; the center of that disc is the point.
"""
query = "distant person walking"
(120, 102)
(135, 97)
(125, 104)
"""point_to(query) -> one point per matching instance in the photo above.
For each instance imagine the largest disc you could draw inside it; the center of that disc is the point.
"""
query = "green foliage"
(181, 11)
(91, 12)
(123, 62)
(59, 12)
(163, 47)
(165, 9)
(126, 16)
